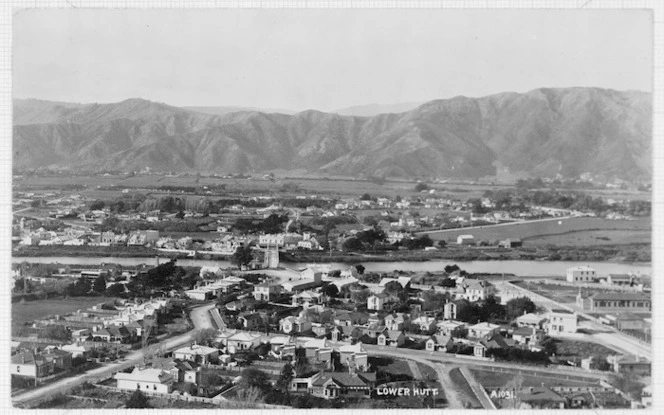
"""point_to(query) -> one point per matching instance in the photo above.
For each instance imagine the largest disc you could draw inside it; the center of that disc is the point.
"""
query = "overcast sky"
(323, 59)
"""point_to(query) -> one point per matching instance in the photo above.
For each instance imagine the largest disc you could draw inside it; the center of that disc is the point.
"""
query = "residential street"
(199, 316)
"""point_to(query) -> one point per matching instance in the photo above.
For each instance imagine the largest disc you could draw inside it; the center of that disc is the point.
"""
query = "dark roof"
(346, 379)
(619, 297)
(539, 394)
(561, 311)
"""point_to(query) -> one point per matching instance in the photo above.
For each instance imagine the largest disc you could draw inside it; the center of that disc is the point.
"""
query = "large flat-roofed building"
(608, 302)
(581, 274)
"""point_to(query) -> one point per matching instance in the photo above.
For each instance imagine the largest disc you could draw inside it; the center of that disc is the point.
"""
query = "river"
(517, 267)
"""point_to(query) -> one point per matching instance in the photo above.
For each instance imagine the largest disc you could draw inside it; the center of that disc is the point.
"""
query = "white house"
(465, 240)
(483, 330)
(561, 321)
(196, 353)
(376, 301)
(581, 274)
(147, 380)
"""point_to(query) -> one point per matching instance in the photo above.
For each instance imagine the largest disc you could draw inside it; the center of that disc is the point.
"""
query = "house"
(373, 330)
(267, 291)
(31, 364)
(113, 334)
(581, 274)
(77, 349)
(308, 297)
(476, 290)
(479, 349)
(449, 311)
(196, 353)
(293, 324)
(465, 240)
(251, 321)
(354, 356)
(530, 320)
(619, 301)
(332, 385)
(345, 318)
(629, 364)
(451, 328)
(439, 342)
(396, 322)
(540, 398)
(146, 379)
(425, 323)
(497, 341)
(243, 341)
(318, 351)
(392, 338)
(629, 321)
(483, 330)
(622, 280)
(376, 301)
(181, 370)
(528, 335)
(222, 338)
(561, 321)
(61, 359)
(510, 243)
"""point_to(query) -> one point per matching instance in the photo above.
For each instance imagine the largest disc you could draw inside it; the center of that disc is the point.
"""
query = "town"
(230, 318)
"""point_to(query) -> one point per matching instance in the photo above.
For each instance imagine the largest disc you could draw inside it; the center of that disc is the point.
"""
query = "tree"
(179, 215)
(138, 400)
(99, 286)
(442, 244)
(360, 296)
(242, 256)
(56, 332)
(451, 268)
(330, 290)
(285, 377)
(519, 306)
(421, 186)
(352, 244)
(115, 290)
(254, 378)
(360, 268)
(205, 336)
(365, 196)
(79, 288)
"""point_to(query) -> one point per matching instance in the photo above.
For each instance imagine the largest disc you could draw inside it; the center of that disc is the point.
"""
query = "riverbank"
(612, 253)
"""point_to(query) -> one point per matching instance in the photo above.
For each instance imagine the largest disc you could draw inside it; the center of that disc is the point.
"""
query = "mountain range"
(544, 132)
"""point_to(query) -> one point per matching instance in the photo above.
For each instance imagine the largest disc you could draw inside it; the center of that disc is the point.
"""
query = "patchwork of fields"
(568, 229)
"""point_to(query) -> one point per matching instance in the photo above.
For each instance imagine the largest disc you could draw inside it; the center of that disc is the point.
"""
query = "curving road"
(200, 319)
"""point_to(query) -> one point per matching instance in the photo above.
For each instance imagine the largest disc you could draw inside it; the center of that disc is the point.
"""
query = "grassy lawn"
(587, 238)
(524, 230)
(30, 310)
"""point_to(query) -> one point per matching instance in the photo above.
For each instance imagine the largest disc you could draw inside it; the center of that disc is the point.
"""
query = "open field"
(31, 310)
(560, 293)
(524, 230)
(333, 186)
(586, 238)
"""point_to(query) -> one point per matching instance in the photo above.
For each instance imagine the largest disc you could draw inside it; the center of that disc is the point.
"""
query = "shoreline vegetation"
(632, 253)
